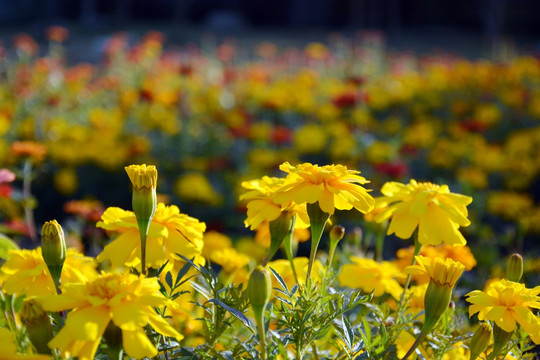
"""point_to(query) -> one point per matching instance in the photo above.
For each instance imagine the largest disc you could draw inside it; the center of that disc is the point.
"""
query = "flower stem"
(318, 220)
(28, 211)
(259, 319)
(417, 342)
(417, 249)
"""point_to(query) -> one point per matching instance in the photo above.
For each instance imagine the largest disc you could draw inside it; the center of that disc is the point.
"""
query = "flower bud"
(514, 267)
(144, 180)
(480, 340)
(259, 289)
(500, 339)
(144, 201)
(38, 325)
(280, 228)
(436, 301)
(53, 249)
(336, 234)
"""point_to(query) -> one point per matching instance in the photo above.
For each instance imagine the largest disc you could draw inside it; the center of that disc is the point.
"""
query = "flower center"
(104, 288)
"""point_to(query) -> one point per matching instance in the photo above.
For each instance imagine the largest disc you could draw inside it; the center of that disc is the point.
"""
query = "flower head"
(142, 176)
(261, 206)
(507, 302)
(25, 272)
(444, 272)
(433, 209)
(369, 275)
(126, 299)
(170, 232)
(332, 186)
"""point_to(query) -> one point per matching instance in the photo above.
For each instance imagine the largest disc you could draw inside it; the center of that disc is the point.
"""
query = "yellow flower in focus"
(461, 254)
(170, 232)
(142, 176)
(332, 186)
(8, 348)
(371, 276)
(126, 299)
(283, 267)
(195, 187)
(25, 272)
(433, 209)
(507, 303)
(443, 272)
(262, 208)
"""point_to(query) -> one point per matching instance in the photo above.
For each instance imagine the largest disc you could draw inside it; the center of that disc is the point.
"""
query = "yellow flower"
(126, 299)
(433, 209)
(8, 348)
(25, 272)
(444, 272)
(261, 206)
(332, 186)
(507, 302)
(369, 275)
(461, 254)
(195, 187)
(142, 176)
(170, 232)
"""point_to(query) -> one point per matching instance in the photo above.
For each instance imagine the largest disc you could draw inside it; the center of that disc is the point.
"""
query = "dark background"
(489, 18)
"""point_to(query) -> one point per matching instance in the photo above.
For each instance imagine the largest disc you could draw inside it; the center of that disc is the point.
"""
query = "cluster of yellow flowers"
(136, 293)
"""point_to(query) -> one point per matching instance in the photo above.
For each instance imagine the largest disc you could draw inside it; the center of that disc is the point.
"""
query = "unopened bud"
(38, 325)
(259, 289)
(436, 301)
(144, 181)
(280, 228)
(480, 340)
(53, 248)
(514, 267)
(337, 233)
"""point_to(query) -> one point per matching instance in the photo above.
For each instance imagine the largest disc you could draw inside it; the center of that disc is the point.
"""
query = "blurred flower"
(195, 187)
(509, 205)
(57, 33)
(30, 149)
(283, 268)
(332, 186)
(25, 272)
(214, 241)
(505, 303)
(126, 299)
(170, 232)
(433, 209)
(90, 210)
(371, 276)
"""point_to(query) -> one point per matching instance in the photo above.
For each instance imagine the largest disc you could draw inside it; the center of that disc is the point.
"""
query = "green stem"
(318, 220)
(417, 249)
(143, 232)
(28, 211)
(419, 340)
(379, 244)
(288, 246)
(259, 319)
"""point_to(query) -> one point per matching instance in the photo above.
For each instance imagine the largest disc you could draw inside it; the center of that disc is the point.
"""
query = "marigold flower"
(261, 206)
(170, 232)
(142, 176)
(433, 209)
(25, 272)
(332, 186)
(507, 302)
(371, 276)
(29, 148)
(125, 299)
(444, 272)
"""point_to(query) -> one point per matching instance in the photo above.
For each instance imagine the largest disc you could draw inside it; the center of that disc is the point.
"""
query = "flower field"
(332, 201)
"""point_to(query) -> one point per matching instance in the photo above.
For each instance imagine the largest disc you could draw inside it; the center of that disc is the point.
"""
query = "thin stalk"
(417, 249)
(379, 245)
(28, 211)
(318, 220)
(419, 339)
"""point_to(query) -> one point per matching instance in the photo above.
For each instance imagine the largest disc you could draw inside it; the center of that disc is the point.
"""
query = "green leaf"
(6, 244)
(280, 280)
(349, 333)
(236, 313)
(168, 280)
